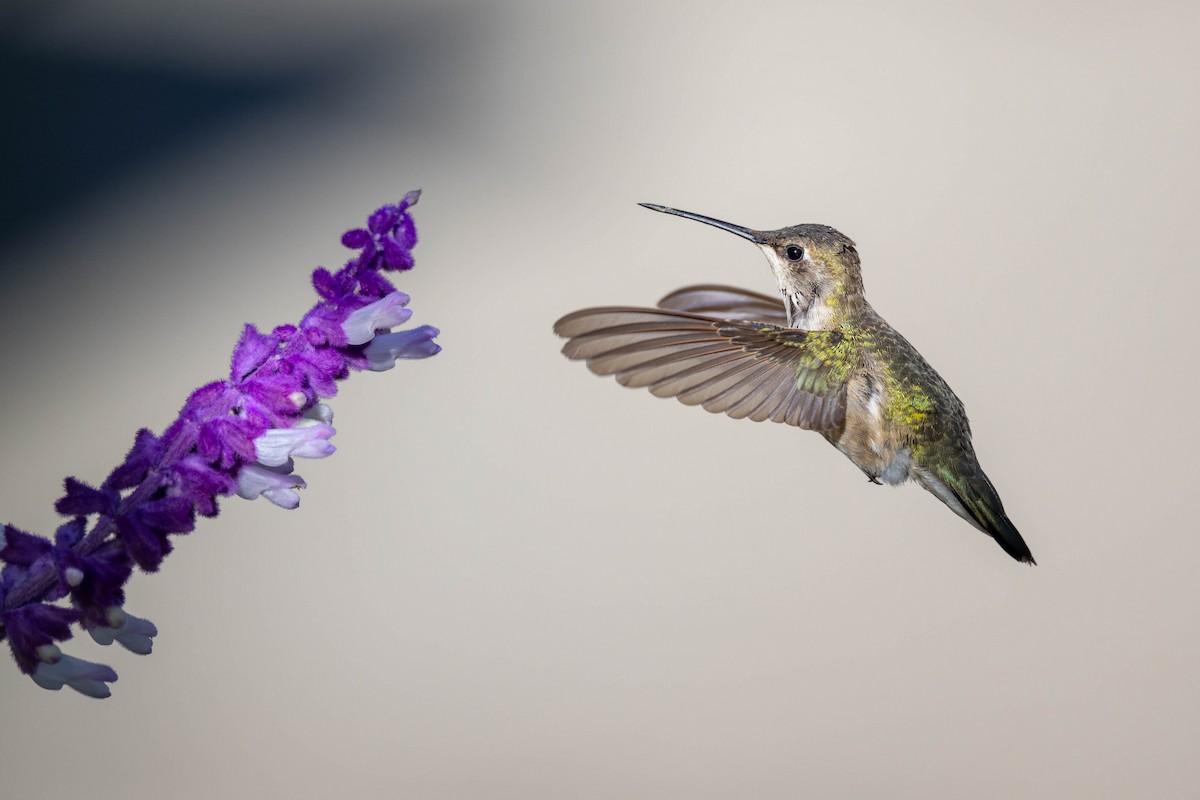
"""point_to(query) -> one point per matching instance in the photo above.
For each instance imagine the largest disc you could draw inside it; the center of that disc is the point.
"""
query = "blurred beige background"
(517, 580)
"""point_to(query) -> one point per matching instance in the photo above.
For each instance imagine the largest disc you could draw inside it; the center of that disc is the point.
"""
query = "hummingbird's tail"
(971, 495)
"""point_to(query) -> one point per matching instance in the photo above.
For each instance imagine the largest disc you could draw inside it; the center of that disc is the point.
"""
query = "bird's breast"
(869, 438)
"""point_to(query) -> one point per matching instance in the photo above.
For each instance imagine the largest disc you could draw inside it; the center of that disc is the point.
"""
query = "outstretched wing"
(737, 367)
(726, 302)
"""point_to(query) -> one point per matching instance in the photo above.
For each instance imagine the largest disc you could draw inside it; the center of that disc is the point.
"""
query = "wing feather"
(726, 302)
(732, 365)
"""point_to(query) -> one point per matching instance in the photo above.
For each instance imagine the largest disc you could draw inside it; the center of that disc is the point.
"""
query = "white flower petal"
(274, 483)
(385, 349)
(320, 412)
(84, 677)
(361, 325)
(308, 439)
(133, 633)
(284, 498)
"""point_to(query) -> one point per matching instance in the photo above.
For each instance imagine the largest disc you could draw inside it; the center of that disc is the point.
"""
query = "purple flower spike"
(232, 436)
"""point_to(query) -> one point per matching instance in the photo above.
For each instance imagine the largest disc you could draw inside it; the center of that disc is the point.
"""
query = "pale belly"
(866, 439)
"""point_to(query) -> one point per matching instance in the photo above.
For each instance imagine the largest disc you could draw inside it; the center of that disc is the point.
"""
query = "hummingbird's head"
(817, 267)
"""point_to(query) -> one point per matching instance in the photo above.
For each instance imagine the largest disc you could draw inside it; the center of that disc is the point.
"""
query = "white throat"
(810, 314)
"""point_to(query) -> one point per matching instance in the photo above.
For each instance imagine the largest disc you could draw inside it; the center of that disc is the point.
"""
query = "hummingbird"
(818, 357)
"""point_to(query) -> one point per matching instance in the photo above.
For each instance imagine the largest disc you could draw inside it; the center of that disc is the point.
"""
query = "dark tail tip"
(980, 500)
(1006, 535)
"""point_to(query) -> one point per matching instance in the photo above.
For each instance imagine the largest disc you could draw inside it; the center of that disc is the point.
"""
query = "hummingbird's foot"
(874, 479)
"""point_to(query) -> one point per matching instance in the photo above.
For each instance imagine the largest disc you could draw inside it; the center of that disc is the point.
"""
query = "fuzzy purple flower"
(238, 435)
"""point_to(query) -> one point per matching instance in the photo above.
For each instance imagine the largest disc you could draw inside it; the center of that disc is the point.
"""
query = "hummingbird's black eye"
(794, 252)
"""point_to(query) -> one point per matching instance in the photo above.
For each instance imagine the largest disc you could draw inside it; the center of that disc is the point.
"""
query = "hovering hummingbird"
(820, 359)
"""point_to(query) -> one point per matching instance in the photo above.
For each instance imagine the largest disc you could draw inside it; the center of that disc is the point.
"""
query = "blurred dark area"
(75, 120)
(73, 123)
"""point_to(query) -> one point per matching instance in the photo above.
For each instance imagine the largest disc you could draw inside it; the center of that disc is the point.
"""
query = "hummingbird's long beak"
(745, 233)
